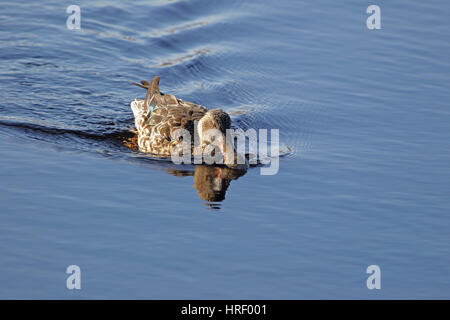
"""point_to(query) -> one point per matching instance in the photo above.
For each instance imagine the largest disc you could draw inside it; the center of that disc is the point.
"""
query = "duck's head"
(212, 131)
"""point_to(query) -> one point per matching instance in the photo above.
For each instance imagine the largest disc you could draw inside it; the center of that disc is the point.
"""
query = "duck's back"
(156, 128)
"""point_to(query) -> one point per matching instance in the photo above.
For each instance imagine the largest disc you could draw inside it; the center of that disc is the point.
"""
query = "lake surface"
(364, 179)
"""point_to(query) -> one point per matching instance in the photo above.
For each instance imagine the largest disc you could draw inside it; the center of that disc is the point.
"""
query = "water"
(363, 118)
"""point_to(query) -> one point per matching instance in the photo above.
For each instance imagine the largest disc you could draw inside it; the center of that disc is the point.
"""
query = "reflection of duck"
(212, 182)
(156, 126)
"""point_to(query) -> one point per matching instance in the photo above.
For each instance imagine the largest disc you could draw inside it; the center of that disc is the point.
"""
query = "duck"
(158, 117)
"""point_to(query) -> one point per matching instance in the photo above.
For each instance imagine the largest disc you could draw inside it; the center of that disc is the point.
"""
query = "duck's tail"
(152, 89)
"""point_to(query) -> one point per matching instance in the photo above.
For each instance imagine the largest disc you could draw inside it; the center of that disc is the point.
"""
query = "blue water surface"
(364, 128)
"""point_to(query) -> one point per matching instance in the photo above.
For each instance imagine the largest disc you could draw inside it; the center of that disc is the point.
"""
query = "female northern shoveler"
(159, 115)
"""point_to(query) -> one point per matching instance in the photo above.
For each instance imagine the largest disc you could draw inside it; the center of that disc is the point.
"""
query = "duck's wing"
(165, 120)
(141, 108)
(156, 128)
